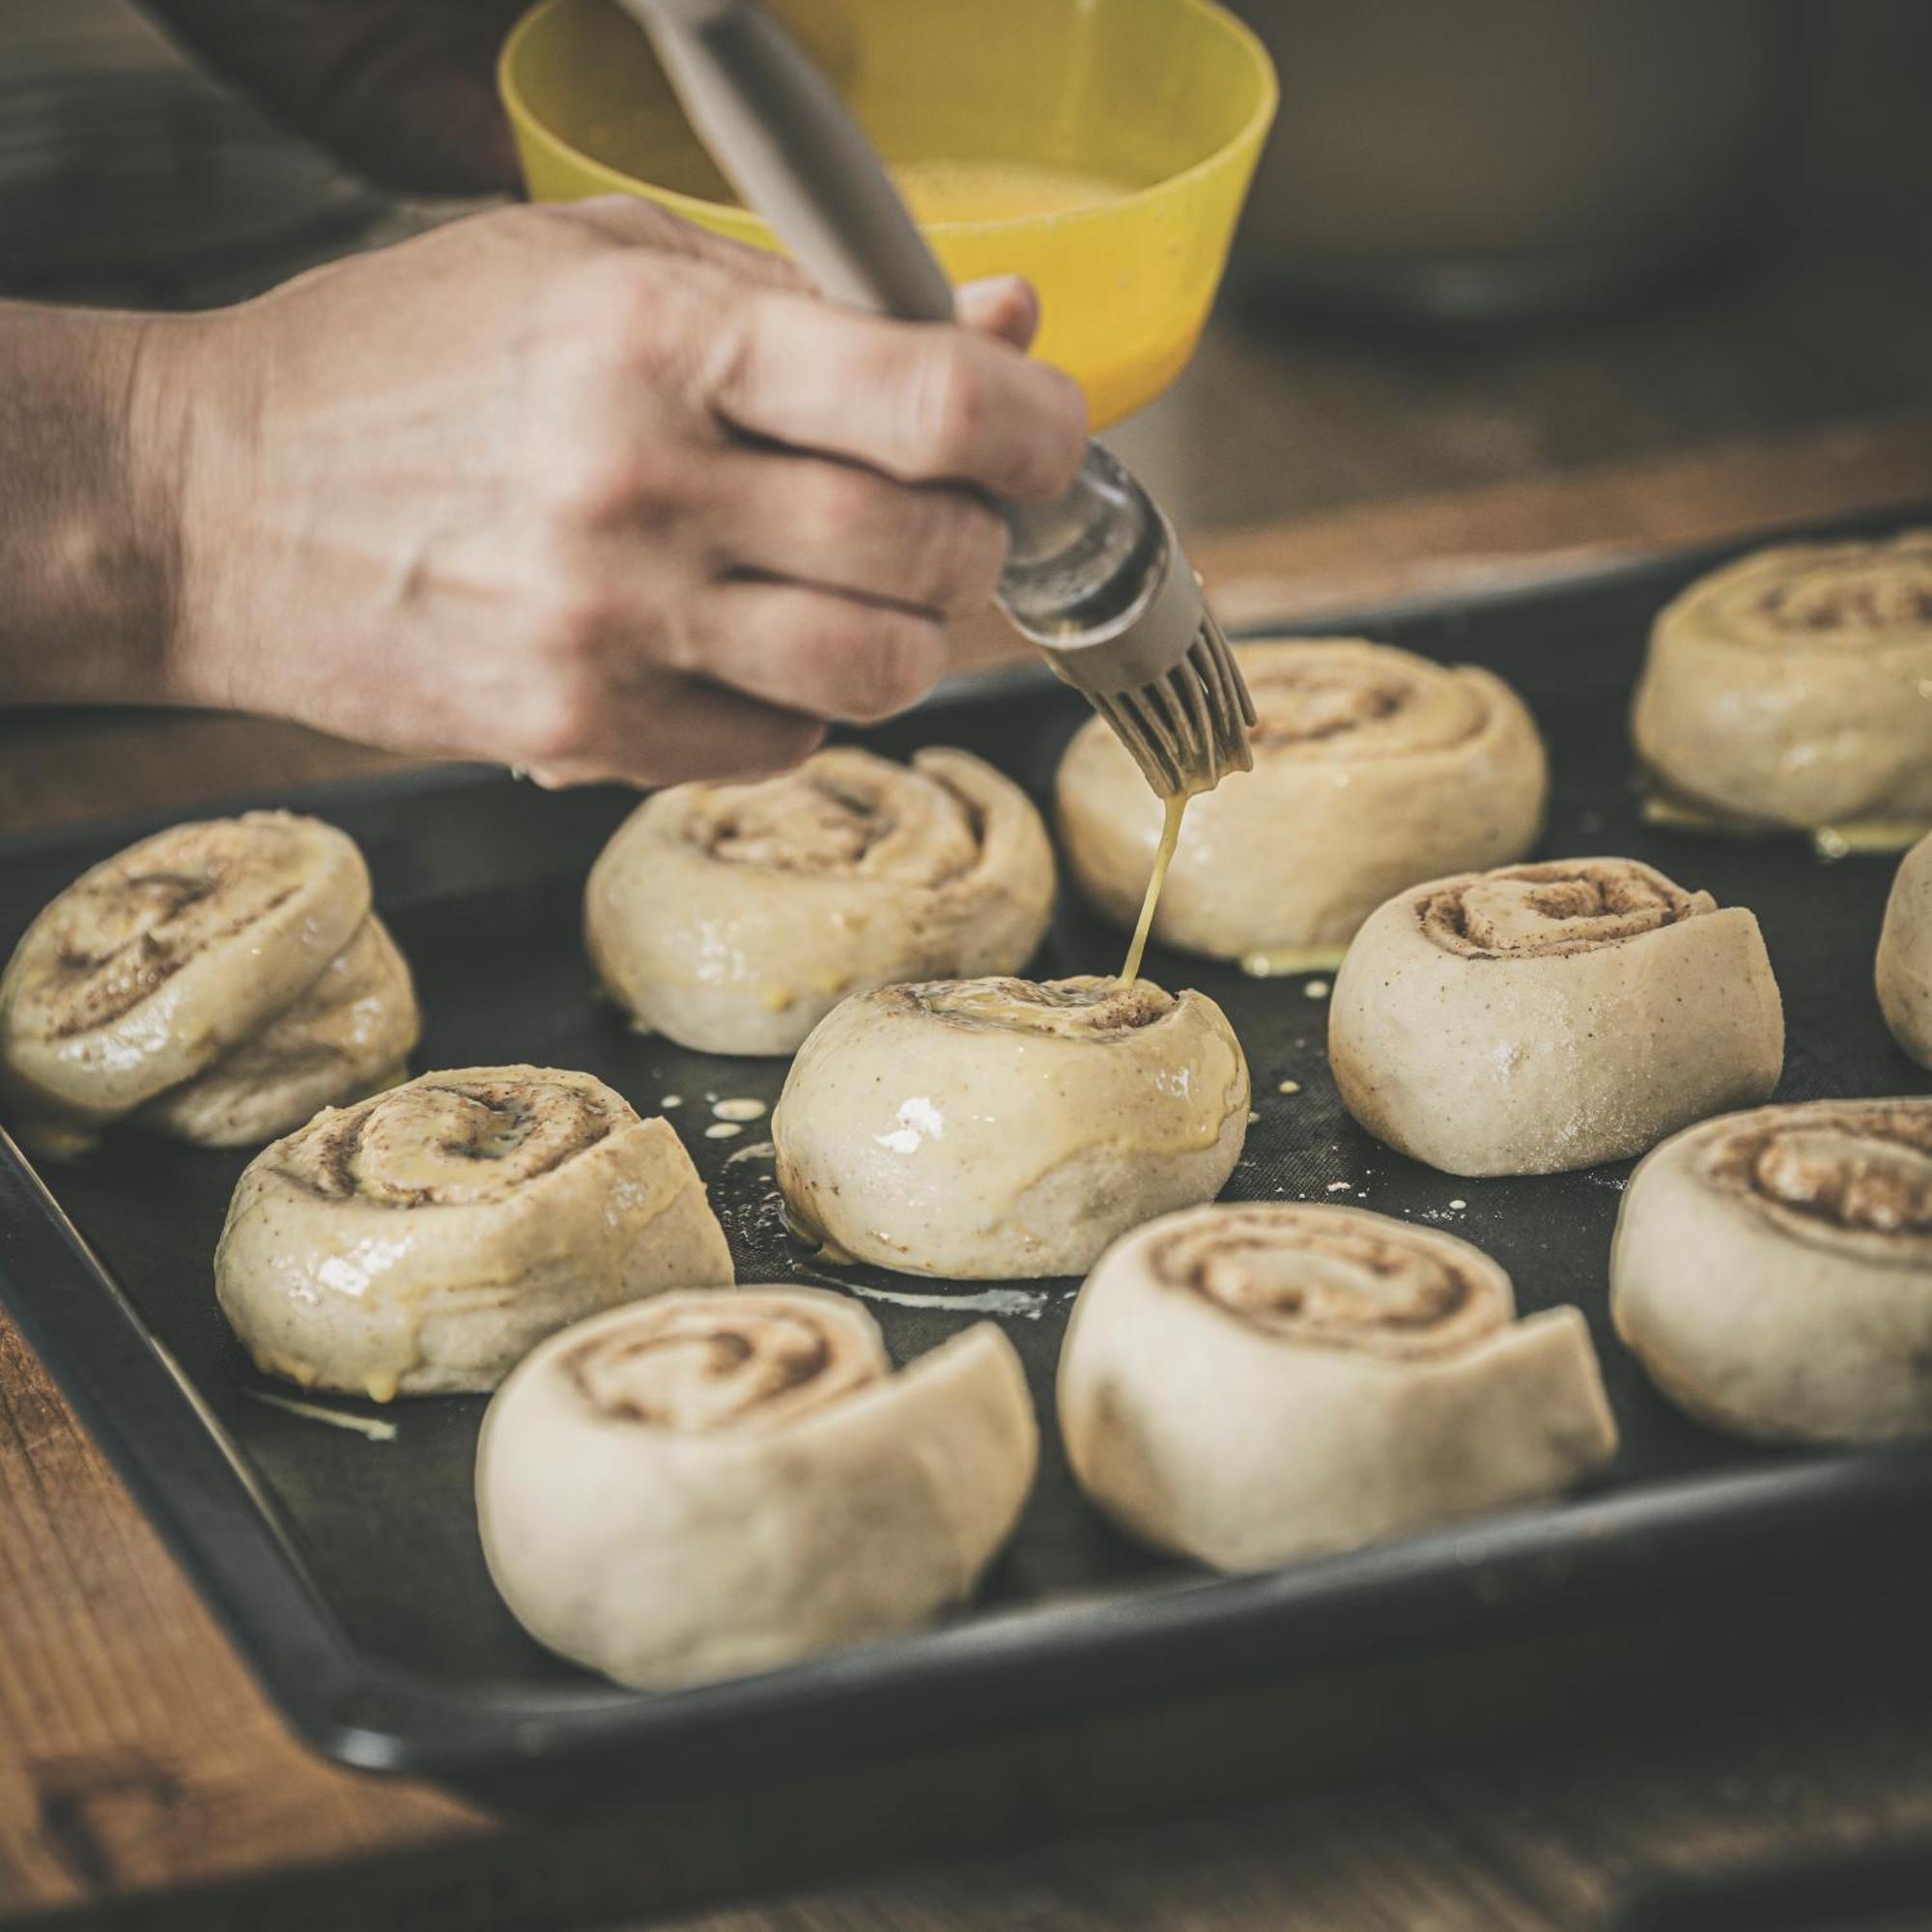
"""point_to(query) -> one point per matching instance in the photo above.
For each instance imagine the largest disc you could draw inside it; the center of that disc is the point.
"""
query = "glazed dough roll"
(218, 980)
(991, 1128)
(1552, 1016)
(708, 1484)
(1773, 1270)
(1374, 769)
(421, 1243)
(1905, 956)
(733, 917)
(1795, 687)
(1252, 1384)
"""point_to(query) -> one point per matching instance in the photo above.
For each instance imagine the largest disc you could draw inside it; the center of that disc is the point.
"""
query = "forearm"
(88, 463)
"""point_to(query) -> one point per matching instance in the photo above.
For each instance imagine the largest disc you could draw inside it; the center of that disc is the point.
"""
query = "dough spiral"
(733, 917)
(1252, 1384)
(707, 1485)
(1552, 1016)
(420, 1242)
(1006, 1128)
(1903, 973)
(1773, 1270)
(1794, 687)
(217, 981)
(1373, 768)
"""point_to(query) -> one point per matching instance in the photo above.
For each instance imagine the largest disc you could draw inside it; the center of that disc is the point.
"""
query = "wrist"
(88, 544)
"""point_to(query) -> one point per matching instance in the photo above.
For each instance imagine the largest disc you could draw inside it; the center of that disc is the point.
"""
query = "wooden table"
(139, 1764)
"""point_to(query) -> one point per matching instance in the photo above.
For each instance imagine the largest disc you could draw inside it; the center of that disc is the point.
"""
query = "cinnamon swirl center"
(1859, 599)
(1321, 1278)
(131, 924)
(1086, 1008)
(443, 1146)
(843, 811)
(1554, 908)
(1333, 707)
(758, 1362)
(1854, 1171)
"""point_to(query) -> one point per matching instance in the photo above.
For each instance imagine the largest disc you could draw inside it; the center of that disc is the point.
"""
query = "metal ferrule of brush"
(1098, 582)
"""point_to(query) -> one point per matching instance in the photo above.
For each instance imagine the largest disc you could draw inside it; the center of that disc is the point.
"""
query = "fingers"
(919, 402)
(927, 546)
(1003, 306)
(812, 652)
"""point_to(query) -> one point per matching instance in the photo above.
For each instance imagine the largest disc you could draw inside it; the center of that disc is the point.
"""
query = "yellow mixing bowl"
(1100, 147)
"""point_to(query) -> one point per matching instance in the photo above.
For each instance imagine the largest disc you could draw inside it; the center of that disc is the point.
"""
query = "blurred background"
(1487, 240)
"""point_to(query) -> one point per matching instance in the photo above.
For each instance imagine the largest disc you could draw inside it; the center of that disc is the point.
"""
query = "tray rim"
(1566, 1557)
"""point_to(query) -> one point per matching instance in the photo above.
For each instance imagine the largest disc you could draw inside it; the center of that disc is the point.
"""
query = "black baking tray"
(348, 1570)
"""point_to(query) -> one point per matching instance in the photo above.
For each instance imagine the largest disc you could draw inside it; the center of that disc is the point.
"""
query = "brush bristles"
(1189, 730)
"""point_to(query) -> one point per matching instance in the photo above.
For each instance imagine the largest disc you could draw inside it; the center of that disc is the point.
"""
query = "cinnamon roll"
(1247, 1384)
(732, 918)
(1374, 769)
(420, 1242)
(1552, 1016)
(709, 1485)
(1904, 972)
(217, 981)
(1773, 1270)
(1004, 1127)
(1794, 687)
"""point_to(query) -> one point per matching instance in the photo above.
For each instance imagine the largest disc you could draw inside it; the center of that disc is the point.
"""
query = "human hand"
(588, 491)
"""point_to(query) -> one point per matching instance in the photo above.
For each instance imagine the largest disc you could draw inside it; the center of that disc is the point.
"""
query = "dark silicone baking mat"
(349, 1571)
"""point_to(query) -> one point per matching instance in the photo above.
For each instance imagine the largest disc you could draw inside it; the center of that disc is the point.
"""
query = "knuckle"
(727, 364)
(950, 407)
(596, 485)
(836, 503)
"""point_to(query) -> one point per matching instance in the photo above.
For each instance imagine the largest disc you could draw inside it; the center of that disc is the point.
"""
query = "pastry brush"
(1096, 580)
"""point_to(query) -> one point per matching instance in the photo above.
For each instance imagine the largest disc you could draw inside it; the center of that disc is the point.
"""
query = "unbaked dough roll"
(991, 1128)
(1773, 1270)
(709, 1485)
(1905, 956)
(733, 917)
(218, 980)
(1252, 1384)
(1795, 685)
(420, 1242)
(1552, 1016)
(1373, 768)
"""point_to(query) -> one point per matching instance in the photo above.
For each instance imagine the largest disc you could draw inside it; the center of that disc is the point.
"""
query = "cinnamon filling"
(694, 1370)
(843, 811)
(1330, 704)
(1857, 1169)
(447, 1146)
(1315, 1277)
(1086, 1008)
(1561, 907)
(1868, 599)
(123, 933)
